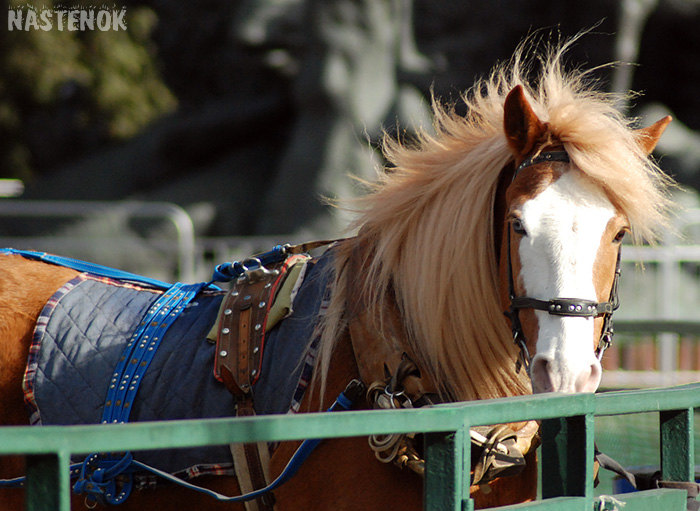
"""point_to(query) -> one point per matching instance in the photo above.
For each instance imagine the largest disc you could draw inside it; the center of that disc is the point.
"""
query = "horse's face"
(564, 243)
(561, 240)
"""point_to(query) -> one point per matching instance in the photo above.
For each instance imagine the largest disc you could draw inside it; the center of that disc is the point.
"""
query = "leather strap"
(252, 464)
(242, 324)
(378, 350)
(240, 344)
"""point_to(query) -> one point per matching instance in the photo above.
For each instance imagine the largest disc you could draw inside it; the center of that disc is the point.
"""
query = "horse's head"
(561, 240)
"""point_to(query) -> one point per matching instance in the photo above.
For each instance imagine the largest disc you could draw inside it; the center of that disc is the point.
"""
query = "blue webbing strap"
(226, 272)
(141, 348)
(97, 479)
(98, 473)
(84, 266)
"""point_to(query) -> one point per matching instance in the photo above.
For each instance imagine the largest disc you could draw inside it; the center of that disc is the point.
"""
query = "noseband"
(572, 307)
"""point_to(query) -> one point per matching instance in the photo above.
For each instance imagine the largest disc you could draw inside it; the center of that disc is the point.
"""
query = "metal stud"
(261, 305)
(227, 312)
(223, 353)
(254, 372)
(225, 330)
(258, 327)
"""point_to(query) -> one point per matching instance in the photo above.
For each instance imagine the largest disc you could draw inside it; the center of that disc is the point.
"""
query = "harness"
(108, 478)
(571, 307)
(395, 381)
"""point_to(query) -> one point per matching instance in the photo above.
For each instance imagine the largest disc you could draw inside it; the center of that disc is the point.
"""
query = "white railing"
(661, 283)
(99, 229)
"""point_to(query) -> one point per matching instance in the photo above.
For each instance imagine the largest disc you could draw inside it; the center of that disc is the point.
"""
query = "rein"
(571, 307)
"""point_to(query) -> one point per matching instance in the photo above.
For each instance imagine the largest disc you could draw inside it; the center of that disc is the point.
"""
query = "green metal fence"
(567, 448)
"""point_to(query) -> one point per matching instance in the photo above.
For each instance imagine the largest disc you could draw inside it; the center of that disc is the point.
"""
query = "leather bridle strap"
(571, 307)
(562, 156)
(564, 306)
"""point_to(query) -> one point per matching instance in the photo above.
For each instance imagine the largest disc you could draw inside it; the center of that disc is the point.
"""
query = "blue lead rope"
(344, 401)
(99, 482)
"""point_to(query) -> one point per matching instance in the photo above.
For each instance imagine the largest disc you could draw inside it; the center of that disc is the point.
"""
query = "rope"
(94, 477)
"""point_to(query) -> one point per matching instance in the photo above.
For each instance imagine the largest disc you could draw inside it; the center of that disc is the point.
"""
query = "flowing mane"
(429, 219)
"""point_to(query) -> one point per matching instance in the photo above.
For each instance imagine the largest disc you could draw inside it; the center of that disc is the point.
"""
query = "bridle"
(572, 307)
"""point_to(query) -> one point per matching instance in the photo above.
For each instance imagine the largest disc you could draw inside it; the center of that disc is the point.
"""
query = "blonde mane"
(429, 220)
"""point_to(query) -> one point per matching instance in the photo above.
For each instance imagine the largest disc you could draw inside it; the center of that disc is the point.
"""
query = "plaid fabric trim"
(35, 346)
(307, 370)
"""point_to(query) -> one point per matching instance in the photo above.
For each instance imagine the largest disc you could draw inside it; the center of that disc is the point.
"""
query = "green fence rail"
(567, 444)
(657, 326)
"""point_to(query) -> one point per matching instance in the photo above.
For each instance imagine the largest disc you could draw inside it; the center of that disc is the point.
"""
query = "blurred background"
(207, 131)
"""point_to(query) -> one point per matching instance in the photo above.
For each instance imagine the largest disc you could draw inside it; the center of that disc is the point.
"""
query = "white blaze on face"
(565, 224)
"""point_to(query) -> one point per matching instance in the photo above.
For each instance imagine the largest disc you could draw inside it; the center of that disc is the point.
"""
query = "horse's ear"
(648, 137)
(522, 127)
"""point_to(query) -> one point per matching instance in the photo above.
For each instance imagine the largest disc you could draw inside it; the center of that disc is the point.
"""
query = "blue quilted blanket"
(81, 334)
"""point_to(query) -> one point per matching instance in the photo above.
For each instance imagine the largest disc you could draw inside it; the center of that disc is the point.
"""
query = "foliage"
(62, 92)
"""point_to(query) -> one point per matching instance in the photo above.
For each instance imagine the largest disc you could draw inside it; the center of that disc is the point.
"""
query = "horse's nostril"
(589, 379)
(541, 375)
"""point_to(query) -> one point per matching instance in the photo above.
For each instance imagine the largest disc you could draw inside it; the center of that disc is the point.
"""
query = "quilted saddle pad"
(81, 334)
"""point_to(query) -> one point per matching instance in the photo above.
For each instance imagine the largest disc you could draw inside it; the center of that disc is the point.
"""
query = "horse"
(484, 265)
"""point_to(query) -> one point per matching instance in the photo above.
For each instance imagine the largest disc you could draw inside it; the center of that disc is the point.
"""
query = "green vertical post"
(567, 457)
(447, 478)
(677, 445)
(48, 482)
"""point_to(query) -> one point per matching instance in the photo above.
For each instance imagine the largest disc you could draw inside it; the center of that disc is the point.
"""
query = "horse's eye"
(518, 226)
(620, 236)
